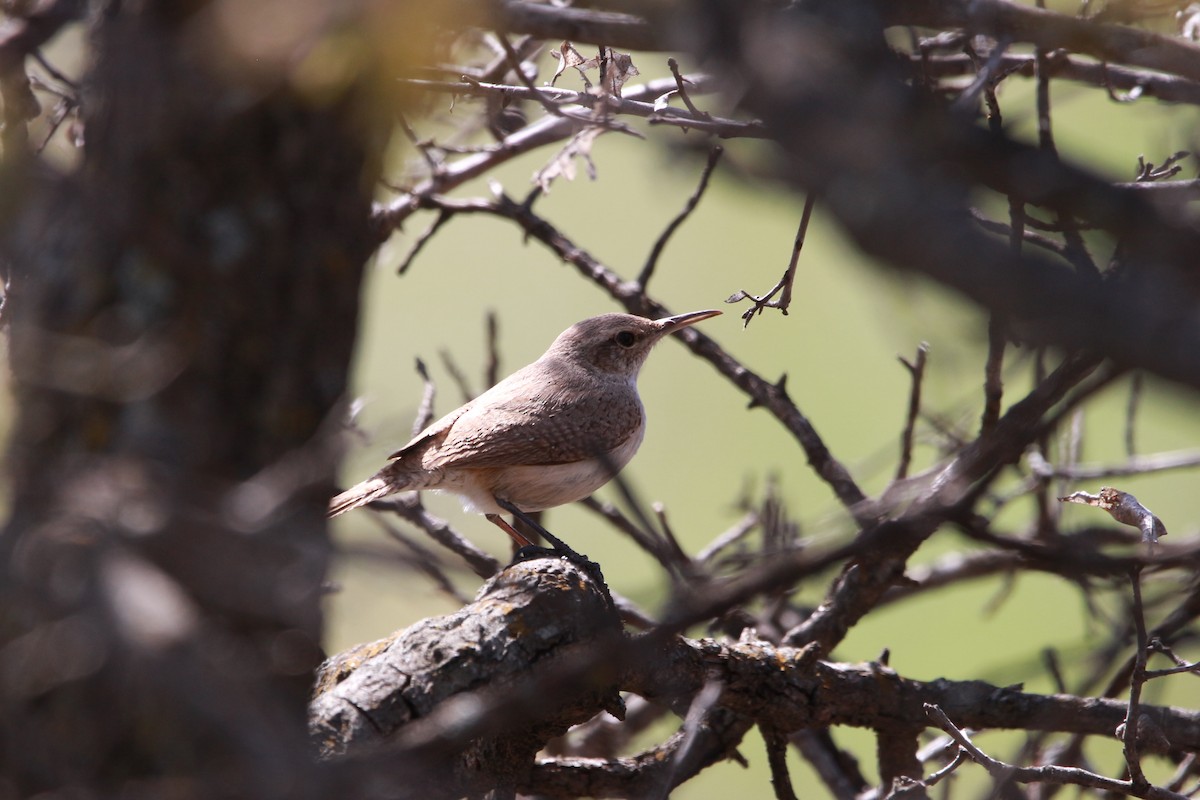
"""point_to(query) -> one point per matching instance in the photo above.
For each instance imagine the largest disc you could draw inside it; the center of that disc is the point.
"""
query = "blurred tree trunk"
(182, 310)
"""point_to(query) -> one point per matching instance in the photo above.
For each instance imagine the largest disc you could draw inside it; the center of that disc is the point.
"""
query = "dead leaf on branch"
(1124, 508)
(563, 164)
(618, 67)
(568, 56)
(620, 70)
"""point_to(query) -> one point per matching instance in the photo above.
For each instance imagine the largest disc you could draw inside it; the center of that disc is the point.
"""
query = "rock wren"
(549, 434)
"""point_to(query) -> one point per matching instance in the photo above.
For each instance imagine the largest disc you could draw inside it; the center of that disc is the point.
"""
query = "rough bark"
(503, 676)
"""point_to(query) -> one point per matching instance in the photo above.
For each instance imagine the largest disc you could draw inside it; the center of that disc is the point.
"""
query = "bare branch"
(1047, 774)
(1053, 31)
(784, 287)
(1058, 64)
(777, 744)
(681, 89)
(714, 155)
(916, 371)
(387, 217)
(409, 507)
(1129, 730)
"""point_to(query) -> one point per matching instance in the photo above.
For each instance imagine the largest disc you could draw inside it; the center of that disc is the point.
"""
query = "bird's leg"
(558, 545)
(519, 538)
(561, 548)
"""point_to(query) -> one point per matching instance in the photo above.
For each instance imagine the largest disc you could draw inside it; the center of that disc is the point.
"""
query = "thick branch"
(1052, 31)
(537, 651)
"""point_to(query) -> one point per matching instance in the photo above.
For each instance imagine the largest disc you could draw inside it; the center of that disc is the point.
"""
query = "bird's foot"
(558, 549)
(532, 551)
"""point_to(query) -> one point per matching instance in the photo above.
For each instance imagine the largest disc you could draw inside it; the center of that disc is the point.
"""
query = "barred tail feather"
(357, 496)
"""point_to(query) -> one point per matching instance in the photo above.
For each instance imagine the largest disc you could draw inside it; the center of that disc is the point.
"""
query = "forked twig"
(916, 369)
(784, 287)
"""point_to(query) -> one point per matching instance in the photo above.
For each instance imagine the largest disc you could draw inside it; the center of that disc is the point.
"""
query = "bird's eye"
(626, 339)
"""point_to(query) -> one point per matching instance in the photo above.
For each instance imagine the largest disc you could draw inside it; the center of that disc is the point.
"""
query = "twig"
(424, 559)
(993, 381)
(409, 507)
(1131, 409)
(960, 758)
(704, 701)
(916, 371)
(54, 72)
(422, 240)
(1050, 773)
(1193, 668)
(985, 82)
(740, 530)
(1148, 172)
(423, 147)
(647, 541)
(1138, 465)
(1075, 249)
(683, 563)
(681, 90)
(525, 47)
(639, 100)
(1051, 31)
(428, 395)
(777, 743)
(515, 60)
(1042, 80)
(784, 287)
(389, 216)
(1050, 659)
(1159, 646)
(1029, 237)
(491, 371)
(837, 769)
(457, 375)
(1140, 83)
(1186, 765)
(714, 155)
(1129, 736)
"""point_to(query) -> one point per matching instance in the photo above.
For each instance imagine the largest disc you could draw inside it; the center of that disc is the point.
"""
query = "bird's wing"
(431, 433)
(543, 429)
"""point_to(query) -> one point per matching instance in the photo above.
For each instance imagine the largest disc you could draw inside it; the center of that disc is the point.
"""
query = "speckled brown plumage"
(551, 433)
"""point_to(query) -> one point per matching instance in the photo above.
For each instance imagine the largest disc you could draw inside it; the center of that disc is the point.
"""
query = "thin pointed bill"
(672, 324)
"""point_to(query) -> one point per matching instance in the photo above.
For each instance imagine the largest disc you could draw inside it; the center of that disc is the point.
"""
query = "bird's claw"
(531, 551)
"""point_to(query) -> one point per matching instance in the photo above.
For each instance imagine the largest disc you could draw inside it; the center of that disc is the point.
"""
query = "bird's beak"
(671, 324)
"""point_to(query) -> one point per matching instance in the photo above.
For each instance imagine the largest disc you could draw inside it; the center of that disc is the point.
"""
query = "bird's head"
(618, 343)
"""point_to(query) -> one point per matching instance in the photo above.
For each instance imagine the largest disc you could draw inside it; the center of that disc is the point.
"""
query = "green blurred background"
(848, 322)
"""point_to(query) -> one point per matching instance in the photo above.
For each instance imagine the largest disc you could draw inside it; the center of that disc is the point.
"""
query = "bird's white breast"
(538, 487)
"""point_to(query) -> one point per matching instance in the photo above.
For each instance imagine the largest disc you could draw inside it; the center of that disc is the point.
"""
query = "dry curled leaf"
(620, 70)
(1124, 508)
(563, 164)
(618, 67)
(568, 56)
